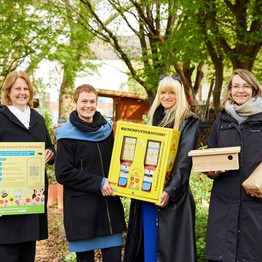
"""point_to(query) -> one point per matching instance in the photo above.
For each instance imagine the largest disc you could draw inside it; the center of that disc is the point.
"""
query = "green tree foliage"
(35, 30)
(152, 50)
(169, 36)
(232, 32)
(27, 34)
(181, 36)
(73, 54)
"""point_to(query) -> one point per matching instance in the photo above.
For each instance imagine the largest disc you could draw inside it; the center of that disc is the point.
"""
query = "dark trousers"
(112, 254)
(21, 252)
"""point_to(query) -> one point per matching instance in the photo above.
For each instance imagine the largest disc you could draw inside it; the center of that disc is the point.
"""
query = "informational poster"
(22, 178)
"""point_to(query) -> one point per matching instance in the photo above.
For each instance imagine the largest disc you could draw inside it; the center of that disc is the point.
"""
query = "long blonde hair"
(175, 114)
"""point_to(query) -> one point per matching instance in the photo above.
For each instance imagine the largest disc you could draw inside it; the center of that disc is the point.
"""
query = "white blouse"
(23, 116)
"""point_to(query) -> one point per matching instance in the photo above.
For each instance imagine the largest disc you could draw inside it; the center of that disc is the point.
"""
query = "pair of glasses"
(244, 87)
(174, 76)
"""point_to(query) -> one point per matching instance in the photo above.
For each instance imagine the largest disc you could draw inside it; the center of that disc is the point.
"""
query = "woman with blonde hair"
(21, 123)
(165, 233)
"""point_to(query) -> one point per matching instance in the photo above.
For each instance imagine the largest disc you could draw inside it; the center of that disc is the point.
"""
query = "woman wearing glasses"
(234, 225)
(166, 232)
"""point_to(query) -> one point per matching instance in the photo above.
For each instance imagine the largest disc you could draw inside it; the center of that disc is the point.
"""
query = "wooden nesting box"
(214, 159)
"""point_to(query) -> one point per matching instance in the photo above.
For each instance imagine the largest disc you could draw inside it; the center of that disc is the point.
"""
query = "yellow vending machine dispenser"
(142, 160)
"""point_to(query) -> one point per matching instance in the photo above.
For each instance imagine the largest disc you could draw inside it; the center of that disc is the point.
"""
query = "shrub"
(201, 185)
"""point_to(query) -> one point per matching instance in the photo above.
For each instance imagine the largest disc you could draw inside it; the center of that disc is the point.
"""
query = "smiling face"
(19, 94)
(241, 91)
(167, 99)
(86, 106)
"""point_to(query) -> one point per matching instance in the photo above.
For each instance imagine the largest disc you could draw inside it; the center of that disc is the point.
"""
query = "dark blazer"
(23, 228)
(80, 167)
(234, 225)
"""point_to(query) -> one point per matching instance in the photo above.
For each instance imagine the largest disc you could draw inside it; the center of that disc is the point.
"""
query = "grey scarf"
(252, 107)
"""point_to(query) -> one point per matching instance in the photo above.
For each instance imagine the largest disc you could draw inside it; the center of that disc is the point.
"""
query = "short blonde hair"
(246, 76)
(9, 82)
(84, 88)
(175, 114)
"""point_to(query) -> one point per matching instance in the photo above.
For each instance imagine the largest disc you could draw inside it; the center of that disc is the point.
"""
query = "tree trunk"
(66, 96)
(218, 86)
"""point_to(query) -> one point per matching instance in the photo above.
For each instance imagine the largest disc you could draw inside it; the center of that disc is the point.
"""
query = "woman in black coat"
(93, 216)
(234, 230)
(171, 225)
(21, 123)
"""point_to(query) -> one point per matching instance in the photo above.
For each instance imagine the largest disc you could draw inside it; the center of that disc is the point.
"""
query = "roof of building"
(113, 93)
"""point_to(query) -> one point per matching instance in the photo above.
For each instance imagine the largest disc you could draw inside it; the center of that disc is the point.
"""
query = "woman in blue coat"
(234, 230)
(93, 216)
(21, 123)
